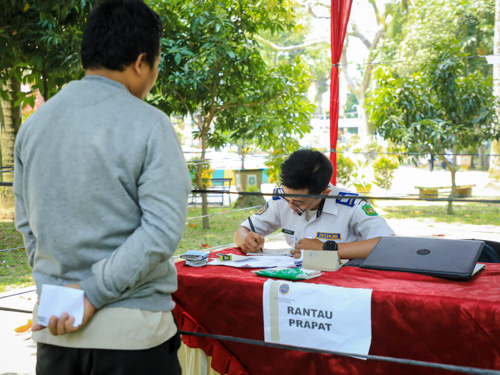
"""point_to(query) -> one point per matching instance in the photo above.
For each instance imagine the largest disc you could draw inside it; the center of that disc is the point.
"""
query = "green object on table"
(289, 273)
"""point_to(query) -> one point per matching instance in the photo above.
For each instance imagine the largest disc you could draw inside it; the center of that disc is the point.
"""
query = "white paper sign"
(56, 300)
(317, 316)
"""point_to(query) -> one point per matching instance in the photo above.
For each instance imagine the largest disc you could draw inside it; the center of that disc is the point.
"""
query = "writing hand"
(253, 243)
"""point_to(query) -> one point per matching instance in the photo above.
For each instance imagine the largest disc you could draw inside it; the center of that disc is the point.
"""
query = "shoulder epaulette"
(349, 200)
(276, 192)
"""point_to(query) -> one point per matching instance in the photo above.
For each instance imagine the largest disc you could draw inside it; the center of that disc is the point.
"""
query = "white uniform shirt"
(346, 219)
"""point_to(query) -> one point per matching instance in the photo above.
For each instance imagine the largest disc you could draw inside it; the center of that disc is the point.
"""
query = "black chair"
(490, 253)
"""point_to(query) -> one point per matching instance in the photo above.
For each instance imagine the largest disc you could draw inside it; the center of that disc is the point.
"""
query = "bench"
(432, 191)
(222, 186)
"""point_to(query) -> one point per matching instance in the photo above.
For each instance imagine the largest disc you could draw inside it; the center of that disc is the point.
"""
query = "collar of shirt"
(330, 204)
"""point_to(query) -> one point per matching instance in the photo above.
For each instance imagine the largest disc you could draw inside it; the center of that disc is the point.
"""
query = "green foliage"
(471, 22)
(438, 108)
(202, 169)
(250, 200)
(273, 164)
(252, 189)
(40, 42)
(435, 109)
(361, 176)
(345, 167)
(212, 69)
(383, 168)
(350, 110)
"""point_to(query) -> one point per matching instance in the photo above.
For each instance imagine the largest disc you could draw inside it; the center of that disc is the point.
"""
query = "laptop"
(450, 259)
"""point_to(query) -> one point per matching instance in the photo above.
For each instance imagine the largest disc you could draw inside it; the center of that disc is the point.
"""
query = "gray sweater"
(101, 189)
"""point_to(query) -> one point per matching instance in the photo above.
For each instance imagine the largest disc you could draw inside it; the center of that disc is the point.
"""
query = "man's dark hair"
(117, 32)
(306, 169)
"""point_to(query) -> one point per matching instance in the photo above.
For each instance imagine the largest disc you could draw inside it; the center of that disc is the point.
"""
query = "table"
(413, 316)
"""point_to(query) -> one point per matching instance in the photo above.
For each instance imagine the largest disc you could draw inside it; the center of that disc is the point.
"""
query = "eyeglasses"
(291, 202)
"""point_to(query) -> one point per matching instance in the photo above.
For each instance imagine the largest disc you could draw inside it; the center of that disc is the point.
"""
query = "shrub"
(383, 168)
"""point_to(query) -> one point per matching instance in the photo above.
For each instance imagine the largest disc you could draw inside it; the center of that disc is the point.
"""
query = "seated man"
(348, 223)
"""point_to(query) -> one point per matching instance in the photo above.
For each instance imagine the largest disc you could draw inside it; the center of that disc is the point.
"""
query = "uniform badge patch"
(328, 236)
(369, 210)
(262, 210)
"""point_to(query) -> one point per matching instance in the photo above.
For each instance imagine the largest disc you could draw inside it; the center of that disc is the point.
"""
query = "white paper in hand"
(56, 300)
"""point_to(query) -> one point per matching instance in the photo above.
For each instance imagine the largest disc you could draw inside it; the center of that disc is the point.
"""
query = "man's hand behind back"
(64, 324)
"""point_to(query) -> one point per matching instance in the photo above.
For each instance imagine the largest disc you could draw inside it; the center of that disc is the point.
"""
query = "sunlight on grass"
(464, 213)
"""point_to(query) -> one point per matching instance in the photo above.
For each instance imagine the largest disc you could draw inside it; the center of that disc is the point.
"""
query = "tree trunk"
(10, 121)
(453, 171)
(199, 168)
(495, 146)
(359, 90)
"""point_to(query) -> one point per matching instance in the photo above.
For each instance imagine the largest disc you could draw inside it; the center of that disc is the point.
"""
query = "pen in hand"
(252, 228)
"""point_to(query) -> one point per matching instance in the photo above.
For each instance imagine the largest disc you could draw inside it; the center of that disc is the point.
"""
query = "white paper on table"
(273, 252)
(56, 300)
(271, 245)
(317, 316)
(256, 262)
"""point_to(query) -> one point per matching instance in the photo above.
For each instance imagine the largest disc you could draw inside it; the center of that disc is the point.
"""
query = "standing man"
(347, 224)
(101, 189)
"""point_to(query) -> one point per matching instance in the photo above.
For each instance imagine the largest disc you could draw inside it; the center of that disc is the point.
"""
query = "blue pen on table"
(252, 228)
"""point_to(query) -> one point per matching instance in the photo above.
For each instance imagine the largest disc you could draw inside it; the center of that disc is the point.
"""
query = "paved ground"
(18, 350)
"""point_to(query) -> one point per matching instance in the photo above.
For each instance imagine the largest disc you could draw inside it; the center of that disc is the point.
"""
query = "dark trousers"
(58, 360)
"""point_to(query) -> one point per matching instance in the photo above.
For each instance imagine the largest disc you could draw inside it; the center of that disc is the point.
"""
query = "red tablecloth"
(413, 316)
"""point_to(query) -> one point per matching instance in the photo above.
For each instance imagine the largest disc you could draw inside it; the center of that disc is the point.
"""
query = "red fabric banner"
(341, 9)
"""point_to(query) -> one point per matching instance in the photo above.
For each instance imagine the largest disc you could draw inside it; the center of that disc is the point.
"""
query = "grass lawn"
(15, 271)
(464, 213)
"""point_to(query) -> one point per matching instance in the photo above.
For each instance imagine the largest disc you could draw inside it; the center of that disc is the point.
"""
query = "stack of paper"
(195, 258)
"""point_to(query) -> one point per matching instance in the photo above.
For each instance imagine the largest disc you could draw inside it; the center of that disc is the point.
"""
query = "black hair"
(306, 169)
(117, 32)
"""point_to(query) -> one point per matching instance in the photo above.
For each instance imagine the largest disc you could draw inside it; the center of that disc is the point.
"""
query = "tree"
(308, 39)
(213, 70)
(388, 25)
(425, 22)
(39, 46)
(438, 108)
